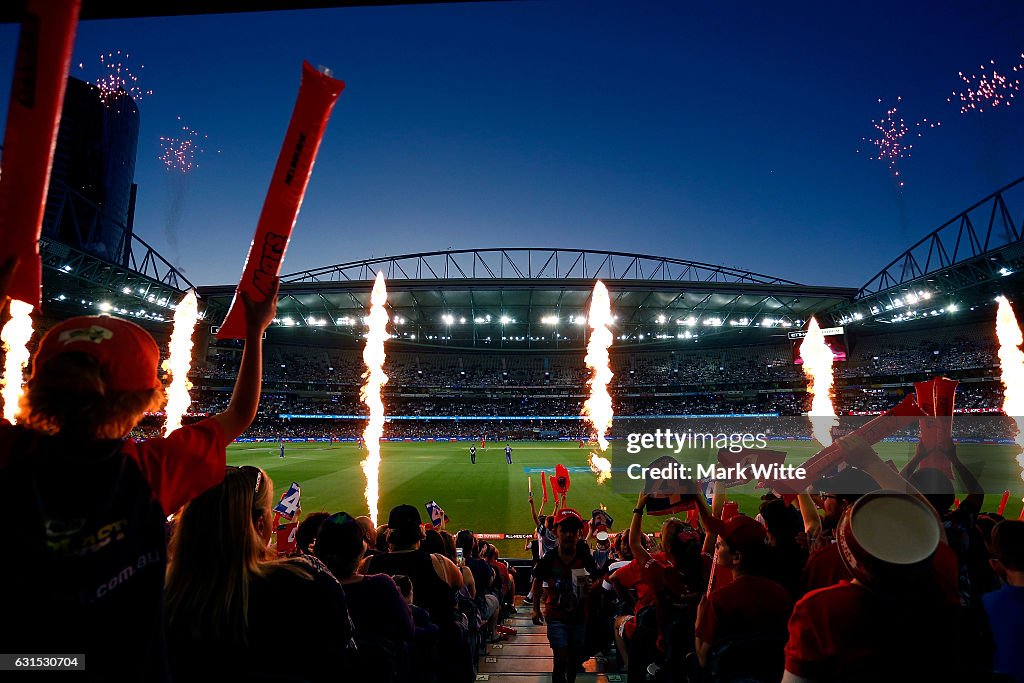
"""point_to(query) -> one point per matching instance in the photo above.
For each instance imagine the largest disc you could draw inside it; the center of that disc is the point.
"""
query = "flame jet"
(180, 361)
(597, 410)
(817, 366)
(1011, 364)
(373, 357)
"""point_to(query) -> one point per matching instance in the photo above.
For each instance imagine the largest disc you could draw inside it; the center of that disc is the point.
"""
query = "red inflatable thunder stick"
(317, 95)
(935, 397)
(827, 459)
(37, 96)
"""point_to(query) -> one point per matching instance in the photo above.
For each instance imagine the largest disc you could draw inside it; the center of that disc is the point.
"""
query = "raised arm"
(245, 399)
(812, 520)
(636, 546)
(975, 493)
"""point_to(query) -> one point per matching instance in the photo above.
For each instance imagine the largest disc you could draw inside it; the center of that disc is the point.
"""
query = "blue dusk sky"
(720, 132)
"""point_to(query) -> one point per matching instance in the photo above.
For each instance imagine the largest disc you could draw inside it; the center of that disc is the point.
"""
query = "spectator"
(435, 581)
(1005, 607)
(425, 639)
(377, 608)
(669, 584)
(892, 622)
(305, 534)
(484, 577)
(227, 595)
(566, 571)
(80, 487)
(749, 604)
(839, 492)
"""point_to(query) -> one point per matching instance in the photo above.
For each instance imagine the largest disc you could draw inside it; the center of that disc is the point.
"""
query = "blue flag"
(437, 515)
(289, 504)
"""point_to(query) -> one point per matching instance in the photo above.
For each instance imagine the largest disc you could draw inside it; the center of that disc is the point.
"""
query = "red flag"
(317, 95)
(33, 114)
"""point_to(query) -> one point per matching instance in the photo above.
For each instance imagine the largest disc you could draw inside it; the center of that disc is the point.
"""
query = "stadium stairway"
(526, 656)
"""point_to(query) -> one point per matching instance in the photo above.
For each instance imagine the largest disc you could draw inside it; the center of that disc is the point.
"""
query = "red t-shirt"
(631, 577)
(746, 605)
(178, 467)
(847, 632)
(502, 571)
(181, 466)
(825, 568)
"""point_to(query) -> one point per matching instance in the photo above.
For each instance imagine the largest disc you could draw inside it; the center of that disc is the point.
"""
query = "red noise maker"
(935, 397)
(1002, 502)
(560, 484)
(544, 486)
(317, 95)
(827, 459)
(33, 115)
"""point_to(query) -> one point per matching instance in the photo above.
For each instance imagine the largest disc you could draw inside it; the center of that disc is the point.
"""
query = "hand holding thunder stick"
(827, 459)
(317, 94)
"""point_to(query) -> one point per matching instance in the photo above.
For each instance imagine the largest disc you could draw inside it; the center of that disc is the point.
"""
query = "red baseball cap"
(568, 515)
(127, 354)
(740, 531)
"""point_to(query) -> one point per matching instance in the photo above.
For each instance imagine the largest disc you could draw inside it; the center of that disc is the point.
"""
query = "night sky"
(726, 134)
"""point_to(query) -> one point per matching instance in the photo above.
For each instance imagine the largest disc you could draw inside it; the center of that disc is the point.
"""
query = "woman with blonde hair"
(229, 600)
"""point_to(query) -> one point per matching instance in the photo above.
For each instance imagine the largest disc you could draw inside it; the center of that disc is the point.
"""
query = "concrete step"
(519, 649)
(535, 664)
(529, 637)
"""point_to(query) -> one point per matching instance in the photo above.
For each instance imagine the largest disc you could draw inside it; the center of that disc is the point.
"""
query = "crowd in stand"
(841, 584)
(878, 356)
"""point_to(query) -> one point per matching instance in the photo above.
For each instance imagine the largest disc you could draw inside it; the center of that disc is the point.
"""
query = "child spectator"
(566, 570)
(92, 504)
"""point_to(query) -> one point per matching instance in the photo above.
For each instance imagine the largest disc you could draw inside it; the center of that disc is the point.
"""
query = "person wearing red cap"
(665, 581)
(93, 504)
(565, 573)
(750, 603)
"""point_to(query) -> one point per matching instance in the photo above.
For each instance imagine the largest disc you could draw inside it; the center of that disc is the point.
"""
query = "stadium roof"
(520, 298)
(966, 262)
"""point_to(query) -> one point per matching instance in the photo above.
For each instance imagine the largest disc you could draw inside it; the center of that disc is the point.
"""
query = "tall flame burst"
(15, 335)
(817, 364)
(373, 356)
(1011, 363)
(597, 410)
(180, 361)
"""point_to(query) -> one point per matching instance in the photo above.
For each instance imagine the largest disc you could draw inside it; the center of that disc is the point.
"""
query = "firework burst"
(988, 89)
(181, 153)
(891, 143)
(119, 78)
